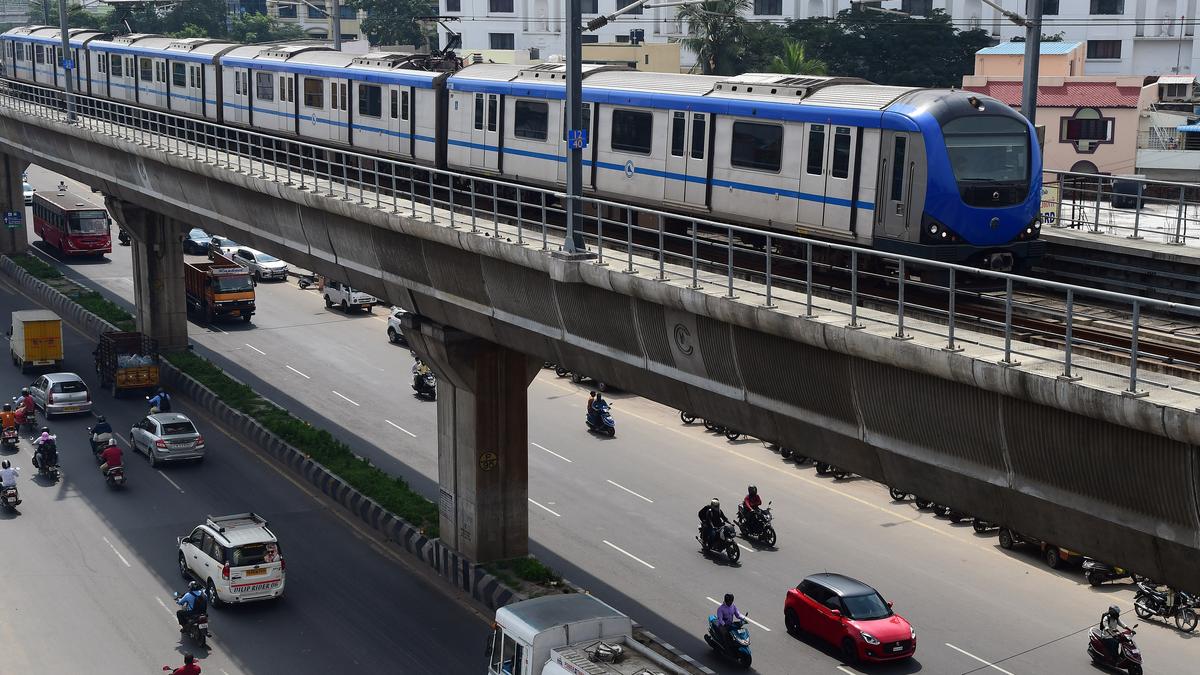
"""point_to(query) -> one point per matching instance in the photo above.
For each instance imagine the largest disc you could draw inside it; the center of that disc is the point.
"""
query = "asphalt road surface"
(618, 515)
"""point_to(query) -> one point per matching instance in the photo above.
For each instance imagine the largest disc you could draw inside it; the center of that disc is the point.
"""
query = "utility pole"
(335, 24)
(576, 137)
(68, 63)
(1033, 57)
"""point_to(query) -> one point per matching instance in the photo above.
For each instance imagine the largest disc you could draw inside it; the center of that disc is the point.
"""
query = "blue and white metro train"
(939, 174)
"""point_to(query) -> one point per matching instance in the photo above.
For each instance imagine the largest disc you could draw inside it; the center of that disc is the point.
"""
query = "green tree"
(390, 22)
(77, 16)
(795, 62)
(715, 29)
(257, 28)
(758, 45)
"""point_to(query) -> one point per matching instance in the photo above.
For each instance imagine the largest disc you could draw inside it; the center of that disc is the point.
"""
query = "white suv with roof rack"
(236, 558)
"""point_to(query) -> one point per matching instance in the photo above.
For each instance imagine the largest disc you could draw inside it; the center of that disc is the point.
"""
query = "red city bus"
(71, 223)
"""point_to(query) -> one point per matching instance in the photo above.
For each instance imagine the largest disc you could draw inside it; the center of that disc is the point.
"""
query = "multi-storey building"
(1122, 37)
(312, 16)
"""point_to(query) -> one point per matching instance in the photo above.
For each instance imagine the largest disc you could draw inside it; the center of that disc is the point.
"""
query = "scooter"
(115, 477)
(757, 525)
(196, 627)
(601, 421)
(45, 462)
(10, 498)
(305, 281)
(723, 542)
(10, 438)
(735, 647)
(1127, 658)
(425, 386)
(98, 441)
(1098, 572)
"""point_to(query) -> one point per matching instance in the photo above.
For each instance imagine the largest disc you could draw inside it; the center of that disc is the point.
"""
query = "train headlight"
(934, 232)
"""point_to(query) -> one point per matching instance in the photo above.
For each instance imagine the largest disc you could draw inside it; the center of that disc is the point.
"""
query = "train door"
(895, 184)
(811, 205)
(587, 151)
(687, 160)
(839, 180)
(485, 132)
(339, 111)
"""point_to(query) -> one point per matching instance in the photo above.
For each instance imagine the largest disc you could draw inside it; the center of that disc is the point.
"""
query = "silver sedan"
(167, 437)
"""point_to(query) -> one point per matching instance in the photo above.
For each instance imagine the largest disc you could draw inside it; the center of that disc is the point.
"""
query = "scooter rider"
(194, 603)
(8, 418)
(110, 457)
(160, 402)
(102, 427)
(1110, 623)
(189, 667)
(711, 518)
(8, 475)
(727, 613)
(46, 449)
(25, 405)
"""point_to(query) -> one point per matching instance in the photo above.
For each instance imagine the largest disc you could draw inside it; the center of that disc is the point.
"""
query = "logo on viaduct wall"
(683, 340)
(488, 460)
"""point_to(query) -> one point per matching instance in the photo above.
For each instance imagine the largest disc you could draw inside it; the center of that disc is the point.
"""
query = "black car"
(196, 241)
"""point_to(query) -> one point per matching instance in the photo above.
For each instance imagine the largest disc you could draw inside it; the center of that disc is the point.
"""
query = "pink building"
(1007, 59)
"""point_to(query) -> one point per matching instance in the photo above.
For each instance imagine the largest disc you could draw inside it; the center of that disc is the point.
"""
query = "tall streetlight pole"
(67, 63)
(335, 23)
(1033, 57)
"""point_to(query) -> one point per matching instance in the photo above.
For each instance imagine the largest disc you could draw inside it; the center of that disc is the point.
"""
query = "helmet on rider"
(112, 441)
(25, 391)
(752, 490)
(100, 419)
(6, 465)
(7, 407)
(45, 430)
(194, 586)
(715, 502)
(1113, 611)
(729, 598)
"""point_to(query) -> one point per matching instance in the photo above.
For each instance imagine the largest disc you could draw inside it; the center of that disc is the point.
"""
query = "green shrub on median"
(390, 492)
(91, 300)
(37, 267)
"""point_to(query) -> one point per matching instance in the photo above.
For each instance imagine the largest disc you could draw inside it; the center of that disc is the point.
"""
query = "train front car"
(982, 185)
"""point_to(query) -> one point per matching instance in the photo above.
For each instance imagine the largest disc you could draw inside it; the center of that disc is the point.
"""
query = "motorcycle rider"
(711, 519)
(419, 371)
(25, 405)
(45, 449)
(160, 402)
(751, 505)
(110, 456)
(189, 667)
(727, 613)
(102, 427)
(1110, 623)
(8, 417)
(8, 475)
(194, 604)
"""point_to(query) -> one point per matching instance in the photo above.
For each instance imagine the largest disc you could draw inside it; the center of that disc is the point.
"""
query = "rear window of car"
(69, 387)
(254, 554)
(178, 428)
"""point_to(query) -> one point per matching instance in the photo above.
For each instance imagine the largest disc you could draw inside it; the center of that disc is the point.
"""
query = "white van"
(341, 295)
(236, 558)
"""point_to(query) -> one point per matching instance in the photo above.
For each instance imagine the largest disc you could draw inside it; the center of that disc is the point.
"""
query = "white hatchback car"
(236, 558)
(167, 437)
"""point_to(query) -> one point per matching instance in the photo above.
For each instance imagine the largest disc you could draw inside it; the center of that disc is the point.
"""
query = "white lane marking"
(744, 548)
(255, 348)
(846, 670)
(401, 428)
(163, 605)
(298, 372)
(343, 396)
(616, 484)
(618, 548)
(717, 602)
(114, 550)
(986, 663)
(545, 508)
(215, 327)
(168, 479)
(122, 438)
(542, 447)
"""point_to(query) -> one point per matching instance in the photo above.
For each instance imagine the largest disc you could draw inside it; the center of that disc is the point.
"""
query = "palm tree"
(714, 33)
(795, 62)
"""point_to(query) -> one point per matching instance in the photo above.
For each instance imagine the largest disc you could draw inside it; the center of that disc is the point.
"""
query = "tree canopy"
(194, 18)
(716, 29)
(390, 22)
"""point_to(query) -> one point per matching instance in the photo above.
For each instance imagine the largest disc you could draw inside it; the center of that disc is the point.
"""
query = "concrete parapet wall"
(1080, 465)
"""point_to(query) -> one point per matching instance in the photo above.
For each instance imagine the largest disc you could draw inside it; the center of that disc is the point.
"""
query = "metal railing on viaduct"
(1050, 408)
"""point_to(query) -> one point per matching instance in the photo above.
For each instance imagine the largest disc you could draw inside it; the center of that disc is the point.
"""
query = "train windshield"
(988, 149)
(89, 222)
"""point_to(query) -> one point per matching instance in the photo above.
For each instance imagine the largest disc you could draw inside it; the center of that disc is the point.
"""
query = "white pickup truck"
(341, 295)
(571, 634)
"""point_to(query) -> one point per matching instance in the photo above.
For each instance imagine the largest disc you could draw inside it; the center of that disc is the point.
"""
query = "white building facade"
(1123, 37)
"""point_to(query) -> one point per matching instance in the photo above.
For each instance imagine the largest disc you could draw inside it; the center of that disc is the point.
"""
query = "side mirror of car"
(836, 612)
(889, 604)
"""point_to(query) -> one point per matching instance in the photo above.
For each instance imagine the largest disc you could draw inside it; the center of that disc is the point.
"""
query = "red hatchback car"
(850, 615)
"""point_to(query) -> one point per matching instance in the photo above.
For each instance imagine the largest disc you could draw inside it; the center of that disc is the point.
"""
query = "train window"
(816, 149)
(102, 64)
(146, 69)
(757, 146)
(115, 62)
(194, 76)
(370, 100)
(264, 86)
(493, 111)
(314, 93)
(178, 75)
(395, 98)
(632, 131)
(333, 96)
(587, 121)
(678, 133)
(343, 87)
(898, 160)
(39, 53)
(531, 120)
(404, 105)
(841, 152)
(160, 71)
(291, 90)
(129, 65)
(699, 126)
(282, 89)
(479, 112)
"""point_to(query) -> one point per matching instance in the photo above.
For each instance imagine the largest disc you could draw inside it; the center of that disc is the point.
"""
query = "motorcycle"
(10, 438)
(757, 525)
(686, 417)
(723, 542)
(10, 497)
(305, 281)
(115, 477)
(980, 525)
(1150, 602)
(1098, 572)
(1127, 658)
(718, 428)
(45, 460)
(735, 646)
(898, 495)
(425, 386)
(601, 421)
(824, 468)
(196, 628)
(98, 441)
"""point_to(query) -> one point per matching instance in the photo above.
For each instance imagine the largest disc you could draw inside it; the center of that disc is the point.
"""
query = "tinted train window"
(898, 160)
(404, 105)
(393, 96)
(479, 112)
(816, 149)
(699, 127)
(757, 146)
(264, 86)
(632, 131)
(531, 119)
(986, 148)
(314, 93)
(146, 69)
(40, 52)
(841, 152)
(370, 100)
(178, 75)
(587, 121)
(493, 108)
(678, 133)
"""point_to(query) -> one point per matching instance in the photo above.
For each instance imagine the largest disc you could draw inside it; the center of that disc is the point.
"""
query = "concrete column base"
(483, 439)
(161, 307)
(13, 240)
